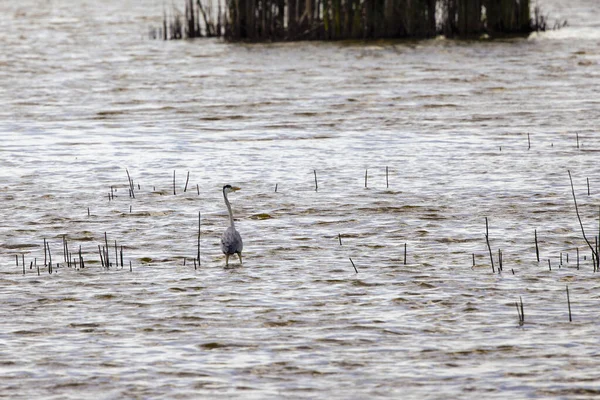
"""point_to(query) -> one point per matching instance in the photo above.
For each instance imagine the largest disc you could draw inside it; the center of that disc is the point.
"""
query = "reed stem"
(186, 182)
(353, 265)
(569, 304)
(487, 240)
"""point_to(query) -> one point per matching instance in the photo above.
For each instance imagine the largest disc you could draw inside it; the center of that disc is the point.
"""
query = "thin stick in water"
(316, 183)
(537, 249)
(520, 312)
(487, 239)
(106, 255)
(366, 177)
(529, 142)
(499, 260)
(588, 185)
(404, 253)
(560, 260)
(353, 265)
(174, 192)
(131, 191)
(49, 258)
(340, 238)
(186, 182)
(569, 304)
(597, 262)
(101, 258)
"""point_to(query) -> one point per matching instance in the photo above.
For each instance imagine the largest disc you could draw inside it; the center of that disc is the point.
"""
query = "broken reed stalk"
(174, 192)
(387, 182)
(578, 258)
(473, 261)
(131, 191)
(404, 253)
(487, 240)
(353, 265)
(198, 189)
(340, 238)
(537, 249)
(49, 258)
(37, 266)
(588, 185)
(116, 255)
(106, 255)
(594, 251)
(88, 211)
(569, 304)
(101, 258)
(186, 182)
(316, 183)
(577, 135)
(499, 260)
(366, 177)
(130, 268)
(81, 263)
(549, 265)
(520, 311)
(121, 257)
(23, 265)
(528, 142)
(45, 256)
(560, 260)
(276, 188)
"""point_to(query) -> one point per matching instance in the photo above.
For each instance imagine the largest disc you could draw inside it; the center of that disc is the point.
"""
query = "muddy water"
(86, 96)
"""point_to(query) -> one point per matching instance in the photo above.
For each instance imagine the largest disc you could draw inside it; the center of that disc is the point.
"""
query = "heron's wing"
(231, 241)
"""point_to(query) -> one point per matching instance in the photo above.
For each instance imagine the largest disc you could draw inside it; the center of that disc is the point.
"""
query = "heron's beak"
(235, 188)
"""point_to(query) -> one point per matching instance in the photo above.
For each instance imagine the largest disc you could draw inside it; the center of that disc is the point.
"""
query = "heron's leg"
(226, 259)
(240, 256)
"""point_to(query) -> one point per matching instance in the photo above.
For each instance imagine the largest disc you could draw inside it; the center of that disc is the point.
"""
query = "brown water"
(85, 95)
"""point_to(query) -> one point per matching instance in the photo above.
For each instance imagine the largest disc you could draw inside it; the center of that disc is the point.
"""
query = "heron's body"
(231, 240)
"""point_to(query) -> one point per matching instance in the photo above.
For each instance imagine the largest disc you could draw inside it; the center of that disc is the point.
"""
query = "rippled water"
(85, 96)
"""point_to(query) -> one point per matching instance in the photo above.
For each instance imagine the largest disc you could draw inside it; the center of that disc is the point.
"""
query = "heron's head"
(229, 189)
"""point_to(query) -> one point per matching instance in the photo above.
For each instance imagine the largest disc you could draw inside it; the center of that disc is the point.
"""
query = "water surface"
(85, 96)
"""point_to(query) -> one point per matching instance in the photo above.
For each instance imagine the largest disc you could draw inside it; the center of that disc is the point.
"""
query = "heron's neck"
(229, 209)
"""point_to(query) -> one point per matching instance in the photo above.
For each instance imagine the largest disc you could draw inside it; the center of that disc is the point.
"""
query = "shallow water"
(85, 96)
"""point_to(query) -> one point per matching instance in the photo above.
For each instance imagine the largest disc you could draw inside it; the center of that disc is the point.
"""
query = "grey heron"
(231, 240)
